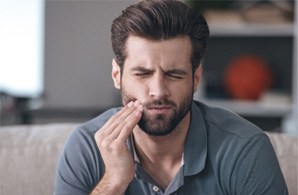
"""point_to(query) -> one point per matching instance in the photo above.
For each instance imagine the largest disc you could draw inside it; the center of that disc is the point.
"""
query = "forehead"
(145, 52)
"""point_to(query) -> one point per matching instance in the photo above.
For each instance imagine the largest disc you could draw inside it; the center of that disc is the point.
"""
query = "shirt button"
(155, 189)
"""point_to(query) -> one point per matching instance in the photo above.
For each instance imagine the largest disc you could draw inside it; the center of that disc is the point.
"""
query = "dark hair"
(157, 20)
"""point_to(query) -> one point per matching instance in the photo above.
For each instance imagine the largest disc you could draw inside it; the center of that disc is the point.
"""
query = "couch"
(29, 153)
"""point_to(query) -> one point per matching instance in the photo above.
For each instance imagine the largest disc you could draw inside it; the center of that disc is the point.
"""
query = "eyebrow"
(171, 71)
(140, 69)
(176, 71)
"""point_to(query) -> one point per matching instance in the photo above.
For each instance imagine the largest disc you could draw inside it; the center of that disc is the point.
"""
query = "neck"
(161, 156)
(158, 147)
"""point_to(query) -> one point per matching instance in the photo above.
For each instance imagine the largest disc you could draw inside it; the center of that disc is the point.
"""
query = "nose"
(158, 88)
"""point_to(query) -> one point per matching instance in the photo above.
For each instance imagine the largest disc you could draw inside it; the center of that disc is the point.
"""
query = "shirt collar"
(133, 150)
(195, 152)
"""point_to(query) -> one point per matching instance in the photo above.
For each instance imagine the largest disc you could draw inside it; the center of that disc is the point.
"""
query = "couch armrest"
(286, 149)
(28, 156)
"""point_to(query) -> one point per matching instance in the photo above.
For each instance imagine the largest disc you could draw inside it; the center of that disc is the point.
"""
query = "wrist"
(110, 185)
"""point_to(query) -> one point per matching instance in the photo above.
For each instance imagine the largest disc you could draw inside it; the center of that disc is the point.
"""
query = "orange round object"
(247, 77)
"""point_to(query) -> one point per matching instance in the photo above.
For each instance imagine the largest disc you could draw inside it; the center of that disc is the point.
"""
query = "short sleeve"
(79, 166)
(257, 170)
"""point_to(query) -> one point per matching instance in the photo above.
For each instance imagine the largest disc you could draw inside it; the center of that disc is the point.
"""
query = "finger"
(118, 119)
(129, 122)
(114, 121)
(118, 115)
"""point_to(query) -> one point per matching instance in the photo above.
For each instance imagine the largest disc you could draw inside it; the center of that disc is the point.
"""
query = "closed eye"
(177, 74)
(143, 73)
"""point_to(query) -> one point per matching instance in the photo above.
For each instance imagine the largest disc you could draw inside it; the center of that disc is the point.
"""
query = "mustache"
(162, 102)
(126, 98)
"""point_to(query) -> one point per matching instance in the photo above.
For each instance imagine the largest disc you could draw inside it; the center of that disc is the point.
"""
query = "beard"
(160, 124)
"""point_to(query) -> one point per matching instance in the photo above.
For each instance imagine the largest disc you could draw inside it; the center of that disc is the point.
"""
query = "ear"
(197, 77)
(116, 74)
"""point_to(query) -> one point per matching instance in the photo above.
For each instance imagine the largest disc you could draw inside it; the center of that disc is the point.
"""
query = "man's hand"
(111, 141)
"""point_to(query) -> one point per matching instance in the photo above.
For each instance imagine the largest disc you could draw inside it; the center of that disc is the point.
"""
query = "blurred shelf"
(252, 108)
(260, 30)
(246, 29)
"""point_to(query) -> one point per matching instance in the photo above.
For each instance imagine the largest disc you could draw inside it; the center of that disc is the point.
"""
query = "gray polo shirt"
(224, 154)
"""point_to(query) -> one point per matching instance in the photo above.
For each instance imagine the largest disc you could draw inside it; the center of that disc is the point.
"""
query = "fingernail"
(140, 108)
(138, 113)
(130, 104)
(137, 103)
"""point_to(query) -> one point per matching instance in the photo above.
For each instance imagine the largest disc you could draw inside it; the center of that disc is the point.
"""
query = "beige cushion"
(286, 149)
(28, 156)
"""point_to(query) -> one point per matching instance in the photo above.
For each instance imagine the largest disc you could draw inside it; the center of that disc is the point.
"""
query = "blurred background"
(55, 60)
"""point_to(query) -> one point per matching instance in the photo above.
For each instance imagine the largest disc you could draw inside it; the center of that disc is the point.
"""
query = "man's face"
(159, 75)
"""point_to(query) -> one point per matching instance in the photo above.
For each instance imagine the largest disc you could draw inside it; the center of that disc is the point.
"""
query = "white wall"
(78, 53)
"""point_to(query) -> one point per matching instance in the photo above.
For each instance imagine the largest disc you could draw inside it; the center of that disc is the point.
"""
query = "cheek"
(185, 92)
(135, 86)
(183, 88)
(133, 90)
(181, 93)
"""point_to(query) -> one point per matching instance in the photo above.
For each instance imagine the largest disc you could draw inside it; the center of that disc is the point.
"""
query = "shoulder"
(226, 123)
(234, 146)
(80, 165)
(90, 127)
(81, 141)
(230, 135)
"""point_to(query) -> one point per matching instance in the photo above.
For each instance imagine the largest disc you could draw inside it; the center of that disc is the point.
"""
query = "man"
(161, 141)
